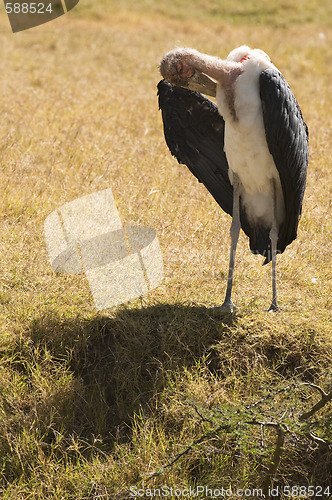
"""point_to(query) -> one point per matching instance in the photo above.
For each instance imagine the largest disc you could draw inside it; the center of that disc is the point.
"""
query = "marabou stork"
(250, 151)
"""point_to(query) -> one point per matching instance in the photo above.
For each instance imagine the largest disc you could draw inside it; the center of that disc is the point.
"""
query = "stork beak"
(199, 82)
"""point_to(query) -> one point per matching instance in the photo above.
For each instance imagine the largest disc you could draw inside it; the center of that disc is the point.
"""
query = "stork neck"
(218, 69)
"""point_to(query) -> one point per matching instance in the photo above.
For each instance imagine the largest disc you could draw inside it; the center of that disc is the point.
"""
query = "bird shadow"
(119, 364)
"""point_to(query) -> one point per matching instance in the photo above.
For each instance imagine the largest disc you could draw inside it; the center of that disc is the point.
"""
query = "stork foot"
(227, 307)
(274, 307)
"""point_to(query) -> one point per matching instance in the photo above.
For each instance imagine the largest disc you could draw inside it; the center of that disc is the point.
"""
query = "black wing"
(287, 140)
(194, 133)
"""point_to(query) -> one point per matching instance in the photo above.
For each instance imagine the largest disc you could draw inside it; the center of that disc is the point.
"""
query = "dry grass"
(92, 403)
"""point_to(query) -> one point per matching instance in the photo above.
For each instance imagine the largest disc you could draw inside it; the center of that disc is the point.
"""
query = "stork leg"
(274, 240)
(228, 305)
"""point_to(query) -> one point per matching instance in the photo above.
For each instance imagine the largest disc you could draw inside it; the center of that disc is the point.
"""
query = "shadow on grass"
(121, 363)
(82, 382)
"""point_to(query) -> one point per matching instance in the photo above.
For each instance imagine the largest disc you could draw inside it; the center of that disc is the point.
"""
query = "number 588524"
(28, 8)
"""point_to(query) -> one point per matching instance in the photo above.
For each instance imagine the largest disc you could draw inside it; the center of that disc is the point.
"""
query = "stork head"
(177, 68)
(174, 66)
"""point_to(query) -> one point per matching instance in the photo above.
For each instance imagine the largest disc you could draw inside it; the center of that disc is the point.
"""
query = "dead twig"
(207, 435)
(326, 398)
(274, 462)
